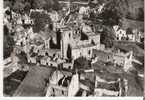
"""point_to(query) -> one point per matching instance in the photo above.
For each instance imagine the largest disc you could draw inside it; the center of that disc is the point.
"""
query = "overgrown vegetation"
(8, 43)
(40, 21)
(21, 6)
(82, 63)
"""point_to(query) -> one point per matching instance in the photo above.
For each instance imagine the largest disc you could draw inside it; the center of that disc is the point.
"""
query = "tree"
(8, 43)
(25, 5)
(40, 21)
(52, 4)
(46, 4)
(22, 57)
(82, 63)
(18, 6)
(111, 14)
(69, 52)
(140, 14)
(107, 37)
(8, 4)
(39, 4)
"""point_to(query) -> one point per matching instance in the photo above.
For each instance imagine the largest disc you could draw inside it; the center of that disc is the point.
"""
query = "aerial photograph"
(73, 48)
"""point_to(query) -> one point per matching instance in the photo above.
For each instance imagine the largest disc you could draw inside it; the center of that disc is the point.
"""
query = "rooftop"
(34, 82)
(83, 46)
(101, 52)
(65, 28)
(51, 51)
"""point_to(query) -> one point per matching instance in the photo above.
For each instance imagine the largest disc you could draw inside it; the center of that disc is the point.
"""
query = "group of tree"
(115, 10)
(8, 43)
(111, 14)
(82, 63)
(123, 8)
(107, 37)
(25, 5)
(40, 21)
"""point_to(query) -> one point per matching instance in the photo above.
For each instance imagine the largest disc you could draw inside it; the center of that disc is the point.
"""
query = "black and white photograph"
(73, 48)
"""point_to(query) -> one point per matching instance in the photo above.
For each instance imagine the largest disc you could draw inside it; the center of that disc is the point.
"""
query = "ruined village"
(76, 50)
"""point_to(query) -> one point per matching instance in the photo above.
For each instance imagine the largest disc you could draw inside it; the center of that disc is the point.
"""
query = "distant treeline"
(132, 9)
(26, 5)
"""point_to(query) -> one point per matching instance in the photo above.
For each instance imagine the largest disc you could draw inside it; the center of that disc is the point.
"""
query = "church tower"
(66, 42)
